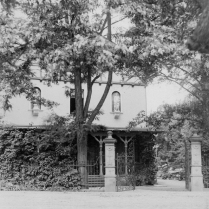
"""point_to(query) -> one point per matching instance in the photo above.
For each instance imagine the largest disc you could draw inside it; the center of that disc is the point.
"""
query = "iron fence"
(125, 178)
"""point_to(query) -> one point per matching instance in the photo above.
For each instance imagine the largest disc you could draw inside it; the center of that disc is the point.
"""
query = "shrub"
(37, 160)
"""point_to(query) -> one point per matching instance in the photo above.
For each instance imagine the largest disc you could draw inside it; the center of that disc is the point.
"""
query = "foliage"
(199, 39)
(157, 37)
(145, 167)
(39, 159)
(174, 125)
(167, 25)
(64, 39)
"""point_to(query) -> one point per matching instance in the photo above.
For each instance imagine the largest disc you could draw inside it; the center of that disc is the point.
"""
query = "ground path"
(166, 195)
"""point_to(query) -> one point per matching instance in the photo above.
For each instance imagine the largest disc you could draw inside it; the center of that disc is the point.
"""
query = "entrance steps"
(95, 181)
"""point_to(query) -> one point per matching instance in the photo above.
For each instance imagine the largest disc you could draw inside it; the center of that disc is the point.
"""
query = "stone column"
(196, 164)
(110, 177)
(100, 157)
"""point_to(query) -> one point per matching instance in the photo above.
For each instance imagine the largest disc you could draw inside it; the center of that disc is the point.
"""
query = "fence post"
(196, 164)
(110, 177)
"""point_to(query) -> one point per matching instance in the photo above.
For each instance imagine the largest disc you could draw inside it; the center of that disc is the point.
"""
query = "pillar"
(196, 164)
(110, 177)
(126, 155)
(100, 157)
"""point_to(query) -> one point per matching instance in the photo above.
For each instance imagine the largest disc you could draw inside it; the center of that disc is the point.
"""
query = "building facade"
(126, 98)
(124, 101)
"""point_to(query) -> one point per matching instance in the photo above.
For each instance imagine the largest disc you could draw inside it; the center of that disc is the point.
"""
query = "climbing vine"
(35, 159)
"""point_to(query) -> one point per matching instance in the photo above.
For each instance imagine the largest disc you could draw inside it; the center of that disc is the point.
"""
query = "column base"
(196, 183)
(110, 184)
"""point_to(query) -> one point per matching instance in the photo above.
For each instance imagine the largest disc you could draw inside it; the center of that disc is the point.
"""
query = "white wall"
(133, 100)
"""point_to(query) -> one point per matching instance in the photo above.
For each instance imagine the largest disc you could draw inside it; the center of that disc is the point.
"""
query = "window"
(36, 103)
(72, 100)
(116, 102)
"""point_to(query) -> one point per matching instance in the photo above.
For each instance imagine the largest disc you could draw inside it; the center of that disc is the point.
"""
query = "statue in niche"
(116, 102)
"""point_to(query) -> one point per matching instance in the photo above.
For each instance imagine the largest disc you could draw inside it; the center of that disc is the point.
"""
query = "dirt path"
(166, 195)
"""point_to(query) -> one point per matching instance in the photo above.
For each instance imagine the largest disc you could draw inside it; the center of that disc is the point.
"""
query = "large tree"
(68, 40)
(167, 25)
(72, 40)
(64, 39)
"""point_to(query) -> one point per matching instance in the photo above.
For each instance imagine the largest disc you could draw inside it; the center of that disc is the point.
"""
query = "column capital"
(109, 138)
(196, 138)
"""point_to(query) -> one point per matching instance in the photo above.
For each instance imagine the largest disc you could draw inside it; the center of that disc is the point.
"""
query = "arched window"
(36, 103)
(116, 102)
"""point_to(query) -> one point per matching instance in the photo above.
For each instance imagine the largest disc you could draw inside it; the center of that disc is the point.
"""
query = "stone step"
(96, 185)
(95, 177)
(95, 181)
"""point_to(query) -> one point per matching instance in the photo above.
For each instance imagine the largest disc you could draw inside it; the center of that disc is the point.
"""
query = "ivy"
(36, 160)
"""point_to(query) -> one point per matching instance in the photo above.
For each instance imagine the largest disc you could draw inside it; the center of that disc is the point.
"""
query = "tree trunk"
(187, 164)
(109, 80)
(81, 135)
(81, 112)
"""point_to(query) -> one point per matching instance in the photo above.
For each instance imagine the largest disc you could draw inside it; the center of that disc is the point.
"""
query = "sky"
(164, 93)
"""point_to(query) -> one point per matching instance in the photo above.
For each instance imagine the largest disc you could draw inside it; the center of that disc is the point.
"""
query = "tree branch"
(95, 79)
(117, 21)
(103, 26)
(109, 81)
(177, 66)
(89, 93)
(99, 105)
(183, 79)
(170, 79)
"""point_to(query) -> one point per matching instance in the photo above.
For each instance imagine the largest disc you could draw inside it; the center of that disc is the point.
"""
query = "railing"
(125, 179)
(124, 165)
(93, 167)
(92, 170)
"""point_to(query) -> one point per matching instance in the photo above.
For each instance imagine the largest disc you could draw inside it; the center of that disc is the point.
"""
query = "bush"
(37, 160)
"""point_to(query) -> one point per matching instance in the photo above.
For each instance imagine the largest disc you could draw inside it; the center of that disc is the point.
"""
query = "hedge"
(37, 160)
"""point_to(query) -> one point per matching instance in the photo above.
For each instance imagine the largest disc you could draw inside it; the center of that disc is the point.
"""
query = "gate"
(95, 174)
(205, 171)
(125, 178)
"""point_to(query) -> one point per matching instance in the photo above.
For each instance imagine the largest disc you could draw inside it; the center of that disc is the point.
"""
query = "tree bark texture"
(199, 41)
(89, 93)
(81, 138)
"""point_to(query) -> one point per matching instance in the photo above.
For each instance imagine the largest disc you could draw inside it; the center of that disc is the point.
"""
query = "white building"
(124, 101)
(126, 98)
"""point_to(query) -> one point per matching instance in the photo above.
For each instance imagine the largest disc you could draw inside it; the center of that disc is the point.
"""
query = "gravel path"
(160, 196)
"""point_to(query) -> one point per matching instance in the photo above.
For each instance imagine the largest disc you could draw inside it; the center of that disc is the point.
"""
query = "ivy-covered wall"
(37, 160)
